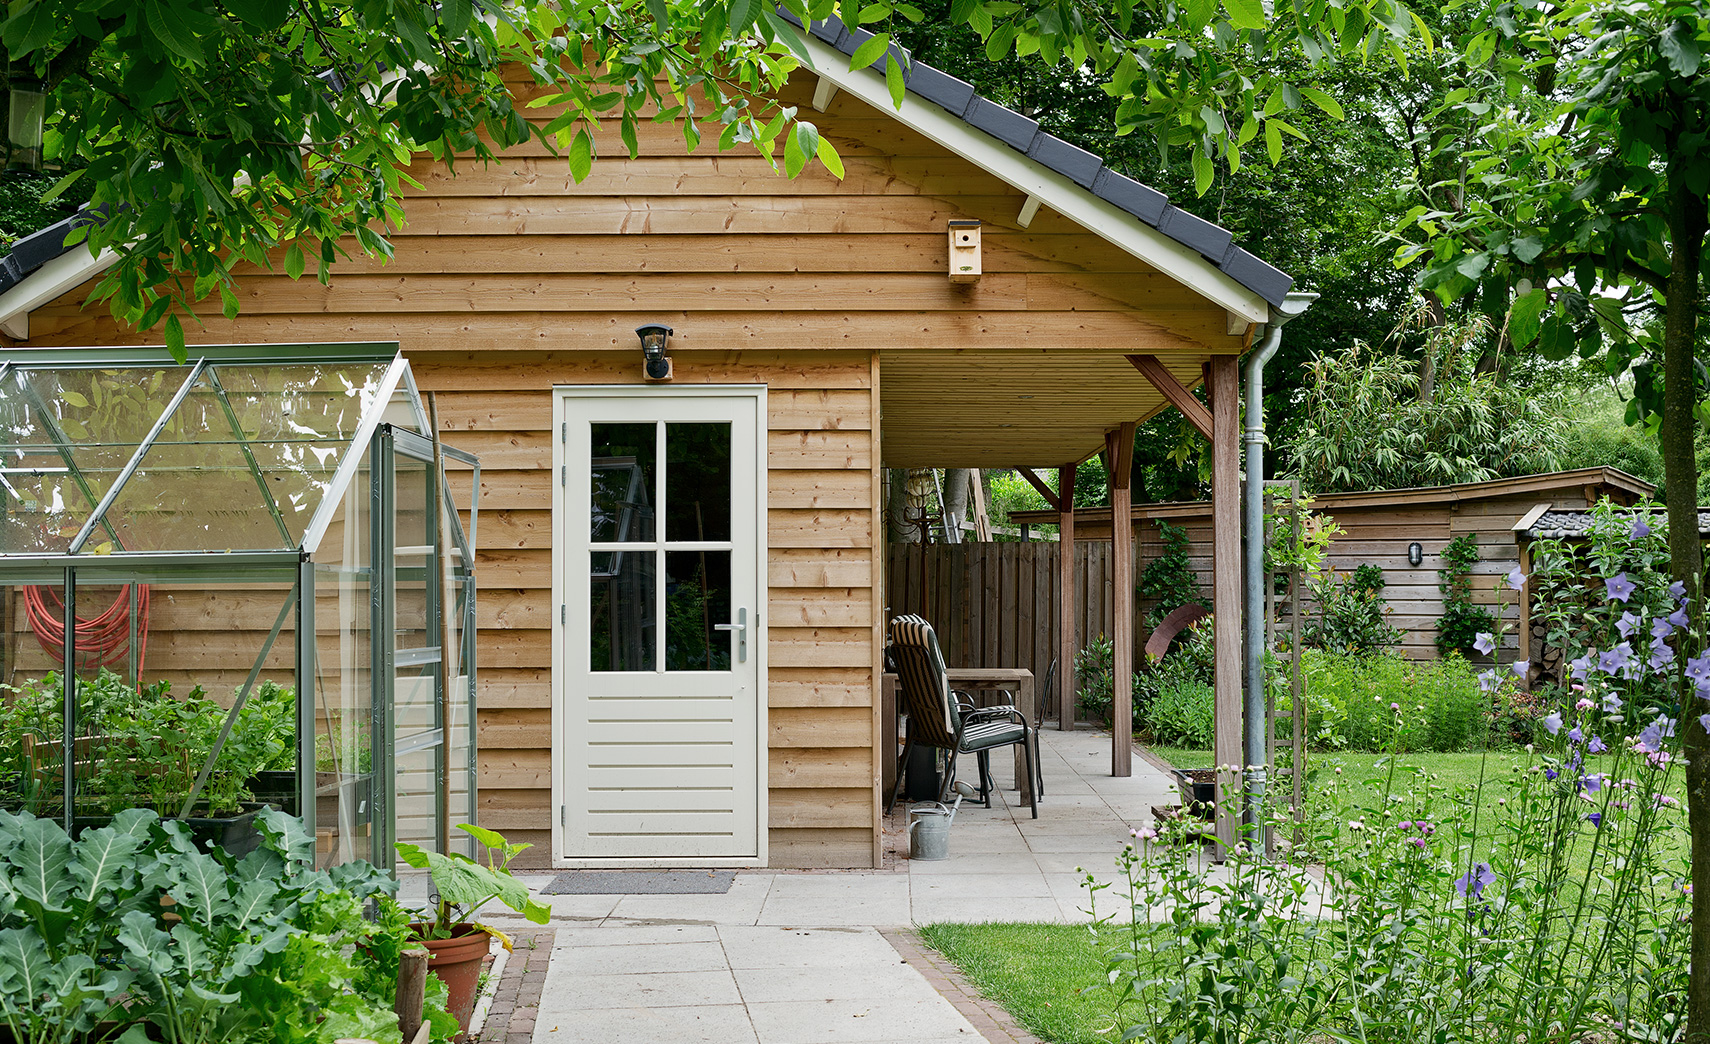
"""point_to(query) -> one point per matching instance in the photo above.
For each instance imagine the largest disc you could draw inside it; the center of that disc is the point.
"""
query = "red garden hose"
(100, 641)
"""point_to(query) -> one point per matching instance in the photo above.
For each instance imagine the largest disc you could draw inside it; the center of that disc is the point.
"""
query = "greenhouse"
(241, 580)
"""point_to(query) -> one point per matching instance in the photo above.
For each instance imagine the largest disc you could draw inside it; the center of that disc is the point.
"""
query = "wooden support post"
(1119, 457)
(1226, 590)
(1066, 598)
(412, 988)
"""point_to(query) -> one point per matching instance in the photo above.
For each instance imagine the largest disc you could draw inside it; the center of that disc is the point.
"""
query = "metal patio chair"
(939, 716)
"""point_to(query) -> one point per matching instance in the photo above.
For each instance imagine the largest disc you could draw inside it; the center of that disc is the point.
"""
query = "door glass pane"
(697, 597)
(624, 465)
(697, 481)
(623, 635)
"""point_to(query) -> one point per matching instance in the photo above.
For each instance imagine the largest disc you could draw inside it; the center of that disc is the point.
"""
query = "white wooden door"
(659, 663)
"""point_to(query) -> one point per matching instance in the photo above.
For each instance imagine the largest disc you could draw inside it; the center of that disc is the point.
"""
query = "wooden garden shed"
(818, 336)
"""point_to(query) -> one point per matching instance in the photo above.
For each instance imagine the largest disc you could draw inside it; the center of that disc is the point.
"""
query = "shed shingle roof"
(1565, 525)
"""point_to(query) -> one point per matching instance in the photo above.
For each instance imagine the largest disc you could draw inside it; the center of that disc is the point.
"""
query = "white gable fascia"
(1182, 263)
(63, 273)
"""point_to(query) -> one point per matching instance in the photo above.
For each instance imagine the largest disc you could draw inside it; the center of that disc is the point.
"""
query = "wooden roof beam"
(1045, 491)
(1172, 389)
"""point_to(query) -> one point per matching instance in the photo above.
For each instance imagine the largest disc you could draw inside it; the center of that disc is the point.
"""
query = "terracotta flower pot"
(457, 963)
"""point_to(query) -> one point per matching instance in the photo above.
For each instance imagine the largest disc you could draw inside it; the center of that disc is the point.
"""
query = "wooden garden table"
(976, 680)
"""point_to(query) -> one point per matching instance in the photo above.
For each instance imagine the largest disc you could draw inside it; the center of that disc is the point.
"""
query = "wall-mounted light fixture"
(656, 365)
(1415, 553)
(26, 111)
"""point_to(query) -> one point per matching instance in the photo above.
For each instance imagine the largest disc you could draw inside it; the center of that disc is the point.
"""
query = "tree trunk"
(897, 528)
(957, 493)
(1680, 467)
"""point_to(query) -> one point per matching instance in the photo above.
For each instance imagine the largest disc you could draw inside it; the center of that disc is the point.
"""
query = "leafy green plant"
(251, 950)
(1351, 613)
(1183, 712)
(1169, 581)
(1353, 702)
(148, 746)
(1462, 621)
(1095, 669)
(464, 885)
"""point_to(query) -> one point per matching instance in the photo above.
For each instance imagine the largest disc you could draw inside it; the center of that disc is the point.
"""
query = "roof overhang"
(1042, 183)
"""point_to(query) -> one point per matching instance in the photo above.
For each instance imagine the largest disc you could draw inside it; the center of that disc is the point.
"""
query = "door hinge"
(562, 820)
(564, 475)
(562, 613)
(564, 432)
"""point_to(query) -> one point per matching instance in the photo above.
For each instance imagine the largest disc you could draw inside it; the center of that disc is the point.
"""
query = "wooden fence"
(995, 604)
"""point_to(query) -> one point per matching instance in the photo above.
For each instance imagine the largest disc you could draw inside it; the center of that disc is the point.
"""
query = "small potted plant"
(455, 941)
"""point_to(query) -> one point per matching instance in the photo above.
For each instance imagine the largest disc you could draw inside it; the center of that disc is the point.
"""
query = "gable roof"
(1052, 172)
(975, 119)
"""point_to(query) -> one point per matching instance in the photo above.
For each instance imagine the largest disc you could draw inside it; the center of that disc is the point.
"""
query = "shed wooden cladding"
(510, 279)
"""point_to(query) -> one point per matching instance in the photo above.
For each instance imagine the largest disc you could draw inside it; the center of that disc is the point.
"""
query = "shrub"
(1351, 613)
(1095, 669)
(1349, 699)
(1168, 580)
(1182, 712)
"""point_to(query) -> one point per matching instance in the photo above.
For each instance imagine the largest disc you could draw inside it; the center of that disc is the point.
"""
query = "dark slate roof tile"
(1269, 283)
(831, 31)
(953, 95)
(1211, 240)
(1006, 125)
(1568, 525)
(1143, 201)
(1075, 163)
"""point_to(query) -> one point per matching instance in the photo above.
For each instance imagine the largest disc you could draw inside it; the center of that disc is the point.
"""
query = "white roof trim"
(48, 282)
(1061, 194)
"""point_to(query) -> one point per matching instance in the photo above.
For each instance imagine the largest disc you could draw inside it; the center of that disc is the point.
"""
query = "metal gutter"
(1253, 745)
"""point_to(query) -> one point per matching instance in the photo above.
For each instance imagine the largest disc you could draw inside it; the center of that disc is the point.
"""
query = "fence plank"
(995, 604)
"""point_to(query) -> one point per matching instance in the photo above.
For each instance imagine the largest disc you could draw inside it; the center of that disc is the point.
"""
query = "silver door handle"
(741, 629)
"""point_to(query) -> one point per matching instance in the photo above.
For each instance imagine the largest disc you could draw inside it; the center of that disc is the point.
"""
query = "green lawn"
(1036, 971)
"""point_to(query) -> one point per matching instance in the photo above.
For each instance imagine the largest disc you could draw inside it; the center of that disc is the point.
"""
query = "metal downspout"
(1253, 717)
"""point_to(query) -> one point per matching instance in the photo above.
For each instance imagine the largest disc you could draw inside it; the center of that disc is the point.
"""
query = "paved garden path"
(825, 957)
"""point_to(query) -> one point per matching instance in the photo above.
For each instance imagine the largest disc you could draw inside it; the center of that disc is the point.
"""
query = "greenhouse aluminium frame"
(370, 384)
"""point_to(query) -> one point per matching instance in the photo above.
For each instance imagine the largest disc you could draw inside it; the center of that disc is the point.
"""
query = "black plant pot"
(236, 834)
(276, 787)
(1199, 790)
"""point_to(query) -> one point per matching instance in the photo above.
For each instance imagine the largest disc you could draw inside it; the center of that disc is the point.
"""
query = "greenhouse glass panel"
(65, 437)
(231, 584)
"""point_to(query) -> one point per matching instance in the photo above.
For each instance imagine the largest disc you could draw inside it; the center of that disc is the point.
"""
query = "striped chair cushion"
(925, 681)
(985, 734)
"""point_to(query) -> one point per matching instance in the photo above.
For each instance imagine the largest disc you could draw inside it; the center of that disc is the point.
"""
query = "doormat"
(641, 882)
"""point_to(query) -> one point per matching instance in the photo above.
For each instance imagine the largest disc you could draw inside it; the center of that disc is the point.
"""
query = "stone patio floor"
(826, 957)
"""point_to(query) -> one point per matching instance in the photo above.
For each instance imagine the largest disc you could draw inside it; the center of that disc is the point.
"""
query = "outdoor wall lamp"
(27, 108)
(1415, 553)
(656, 364)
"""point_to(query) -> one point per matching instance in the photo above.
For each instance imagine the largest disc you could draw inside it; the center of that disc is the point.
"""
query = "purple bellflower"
(1618, 587)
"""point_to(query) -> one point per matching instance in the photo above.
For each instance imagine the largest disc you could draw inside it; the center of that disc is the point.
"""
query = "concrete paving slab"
(925, 1015)
(944, 886)
(639, 959)
(780, 985)
(697, 1024)
(822, 911)
(635, 935)
(651, 990)
(771, 947)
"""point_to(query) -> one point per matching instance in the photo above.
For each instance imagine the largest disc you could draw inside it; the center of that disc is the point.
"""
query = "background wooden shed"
(1380, 524)
(833, 296)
